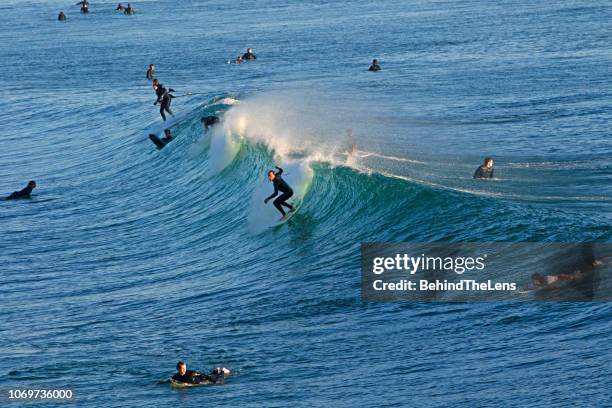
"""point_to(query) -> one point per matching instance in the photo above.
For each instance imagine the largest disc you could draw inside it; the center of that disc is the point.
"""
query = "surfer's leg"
(168, 107)
(161, 112)
(285, 197)
(277, 203)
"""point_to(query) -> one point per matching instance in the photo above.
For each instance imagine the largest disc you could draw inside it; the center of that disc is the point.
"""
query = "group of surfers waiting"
(127, 10)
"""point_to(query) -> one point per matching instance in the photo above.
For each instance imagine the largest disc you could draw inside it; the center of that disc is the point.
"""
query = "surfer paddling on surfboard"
(280, 185)
(184, 376)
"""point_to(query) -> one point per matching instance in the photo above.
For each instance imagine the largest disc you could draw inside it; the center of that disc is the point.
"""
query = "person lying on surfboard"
(282, 186)
(193, 377)
(23, 193)
(541, 281)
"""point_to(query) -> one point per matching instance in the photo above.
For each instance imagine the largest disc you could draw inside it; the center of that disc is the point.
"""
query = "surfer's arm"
(274, 194)
(280, 171)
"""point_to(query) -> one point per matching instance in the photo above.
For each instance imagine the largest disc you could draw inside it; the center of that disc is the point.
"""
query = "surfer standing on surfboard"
(164, 98)
(280, 185)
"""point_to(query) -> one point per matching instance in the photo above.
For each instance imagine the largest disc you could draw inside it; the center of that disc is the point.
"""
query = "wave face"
(130, 258)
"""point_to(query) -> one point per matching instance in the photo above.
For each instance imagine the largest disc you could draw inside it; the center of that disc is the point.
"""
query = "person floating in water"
(151, 72)
(375, 66)
(282, 186)
(164, 98)
(120, 7)
(541, 281)
(248, 55)
(209, 121)
(61, 16)
(129, 10)
(24, 193)
(238, 60)
(485, 170)
(185, 376)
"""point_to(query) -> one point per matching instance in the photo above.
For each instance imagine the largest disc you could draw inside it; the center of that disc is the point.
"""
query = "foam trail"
(298, 175)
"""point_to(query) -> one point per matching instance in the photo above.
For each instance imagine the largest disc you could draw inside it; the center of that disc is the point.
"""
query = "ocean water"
(128, 259)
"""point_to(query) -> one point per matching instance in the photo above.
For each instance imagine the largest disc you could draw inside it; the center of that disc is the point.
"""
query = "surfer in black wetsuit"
(120, 7)
(193, 377)
(24, 193)
(84, 6)
(61, 16)
(161, 143)
(129, 10)
(282, 186)
(485, 170)
(375, 66)
(209, 121)
(164, 98)
(151, 72)
(249, 56)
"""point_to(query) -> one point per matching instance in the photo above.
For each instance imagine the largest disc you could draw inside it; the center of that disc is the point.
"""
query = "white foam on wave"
(261, 216)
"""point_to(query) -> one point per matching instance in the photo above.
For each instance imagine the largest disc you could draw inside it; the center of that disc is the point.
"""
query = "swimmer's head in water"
(271, 175)
(374, 61)
(249, 50)
(155, 82)
(32, 184)
(151, 66)
(181, 367)
(488, 161)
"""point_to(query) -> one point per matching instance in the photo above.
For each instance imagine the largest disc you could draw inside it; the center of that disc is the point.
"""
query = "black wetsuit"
(194, 377)
(248, 56)
(84, 9)
(374, 67)
(129, 11)
(282, 186)
(150, 74)
(61, 17)
(25, 193)
(167, 139)
(209, 121)
(483, 172)
(164, 99)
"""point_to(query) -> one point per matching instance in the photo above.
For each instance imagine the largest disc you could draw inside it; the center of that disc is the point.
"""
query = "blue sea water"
(128, 259)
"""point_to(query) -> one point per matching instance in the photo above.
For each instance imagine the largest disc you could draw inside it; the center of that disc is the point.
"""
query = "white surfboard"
(283, 220)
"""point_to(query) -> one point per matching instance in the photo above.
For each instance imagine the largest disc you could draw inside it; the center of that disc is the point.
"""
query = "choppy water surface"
(128, 258)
